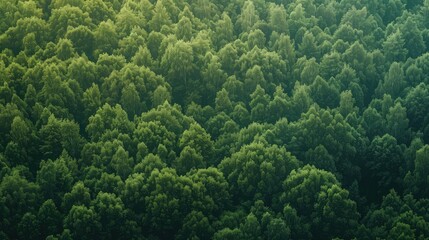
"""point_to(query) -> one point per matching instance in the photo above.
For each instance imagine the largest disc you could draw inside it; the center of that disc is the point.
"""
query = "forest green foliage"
(242, 119)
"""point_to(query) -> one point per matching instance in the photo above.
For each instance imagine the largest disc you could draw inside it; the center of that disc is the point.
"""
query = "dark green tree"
(83, 222)
(50, 219)
(55, 178)
(18, 197)
(385, 163)
(255, 171)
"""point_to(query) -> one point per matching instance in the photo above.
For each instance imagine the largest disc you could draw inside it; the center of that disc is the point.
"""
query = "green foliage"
(19, 197)
(49, 219)
(417, 179)
(257, 170)
(302, 188)
(250, 119)
(336, 215)
(82, 222)
(385, 163)
(55, 178)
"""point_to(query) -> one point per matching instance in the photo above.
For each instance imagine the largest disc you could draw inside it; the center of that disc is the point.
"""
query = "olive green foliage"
(204, 119)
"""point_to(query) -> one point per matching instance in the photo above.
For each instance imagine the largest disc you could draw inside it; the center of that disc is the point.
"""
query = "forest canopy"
(200, 119)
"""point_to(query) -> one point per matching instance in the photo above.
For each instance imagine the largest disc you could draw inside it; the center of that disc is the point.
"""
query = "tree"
(303, 186)
(154, 41)
(161, 95)
(394, 215)
(55, 178)
(419, 177)
(105, 38)
(160, 17)
(254, 172)
(394, 81)
(129, 45)
(17, 197)
(28, 226)
(83, 222)
(7, 10)
(345, 77)
(240, 115)
(143, 57)
(83, 71)
(357, 57)
(170, 117)
(260, 62)
(195, 225)
(148, 164)
(277, 18)
(279, 105)
(98, 11)
(309, 71)
(189, 159)
(297, 19)
(413, 38)
(397, 123)
(256, 38)
(284, 46)
(154, 133)
(401, 231)
(59, 135)
(166, 197)
(330, 129)
(301, 101)
(130, 101)
(228, 56)
(19, 149)
(394, 48)
(65, 49)
(251, 228)
(415, 101)
(320, 158)
(385, 163)
(213, 190)
(30, 33)
(78, 196)
(227, 233)
(245, 119)
(184, 29)
(67, 16)
(108, 118)
(277, 229)
(197, 138)
(254, 77)
(248, 17)
(49, 219)
(127, 20)
(335, 214)
(91, 100)
(222, 102)
(112, 216)
(178, 62)
(347, 103)
(259, 103)
(213, 77)
(224, 31)
(122, 163)
(324, 94)
(308, 46)
(109, 183)
(82, 38)
(331, 65)
(372, 122)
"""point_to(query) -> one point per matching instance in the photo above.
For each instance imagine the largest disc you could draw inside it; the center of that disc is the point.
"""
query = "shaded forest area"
(174, 119)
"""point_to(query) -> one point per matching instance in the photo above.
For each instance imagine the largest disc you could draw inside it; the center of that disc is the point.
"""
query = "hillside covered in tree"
(204, 119)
